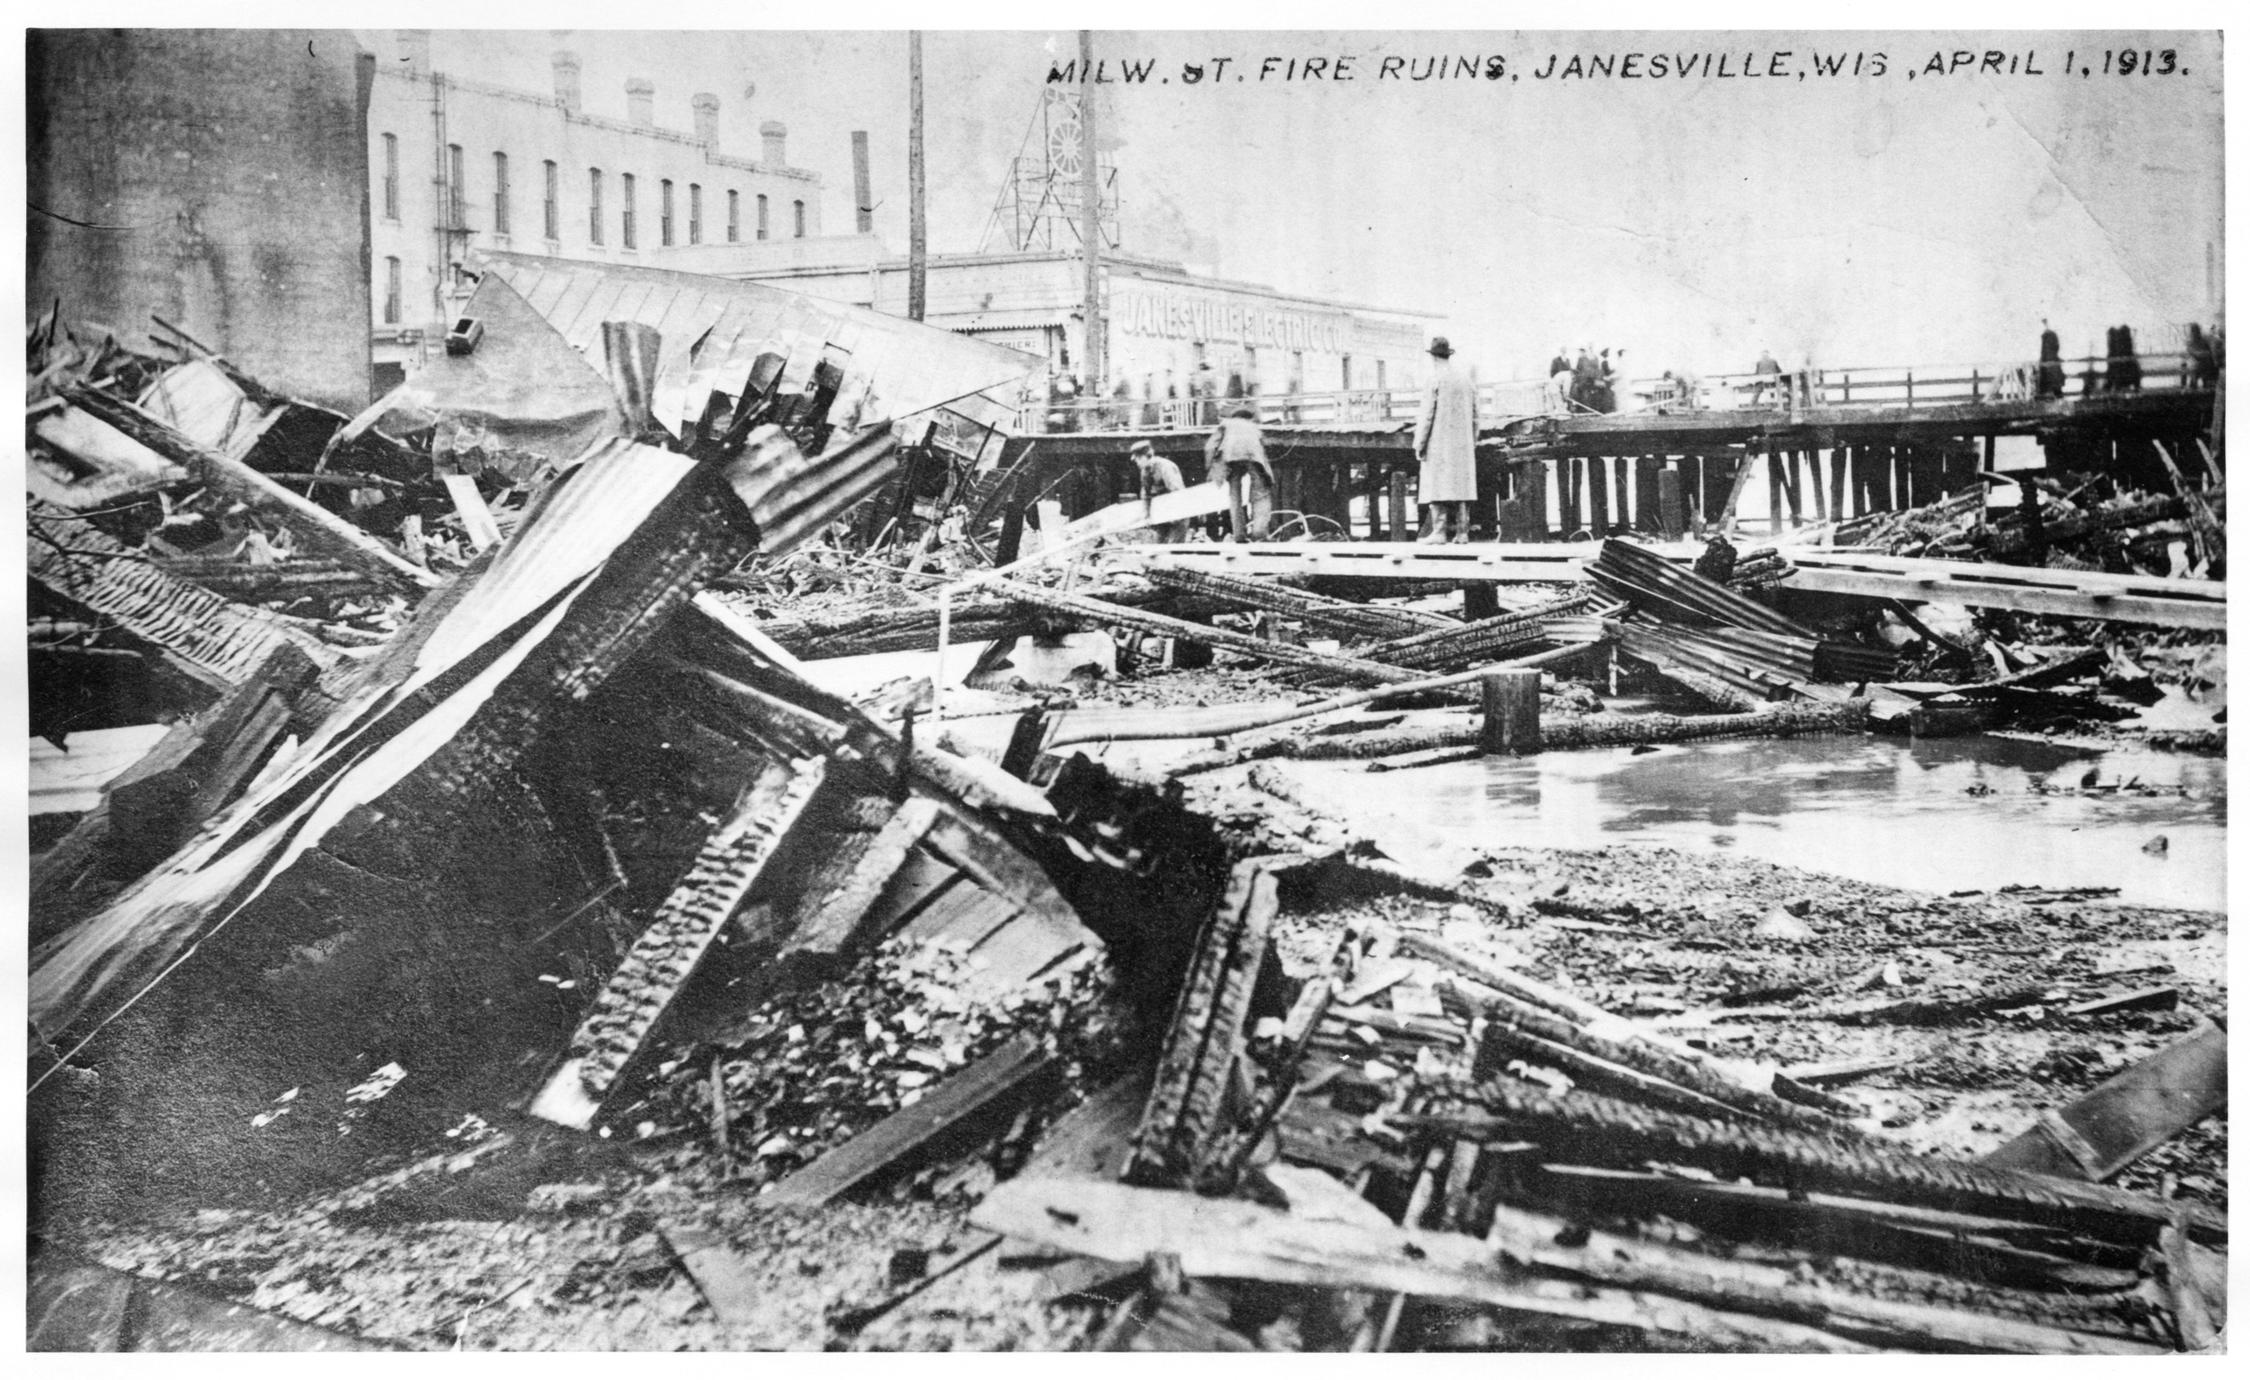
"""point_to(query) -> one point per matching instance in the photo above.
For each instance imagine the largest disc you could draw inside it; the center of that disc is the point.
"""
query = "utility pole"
(1090, 232)
(918, 230)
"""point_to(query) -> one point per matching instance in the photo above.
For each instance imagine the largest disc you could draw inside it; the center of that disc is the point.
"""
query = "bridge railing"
(1867, 386)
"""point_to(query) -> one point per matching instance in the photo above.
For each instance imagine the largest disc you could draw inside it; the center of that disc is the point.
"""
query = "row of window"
(456, 202)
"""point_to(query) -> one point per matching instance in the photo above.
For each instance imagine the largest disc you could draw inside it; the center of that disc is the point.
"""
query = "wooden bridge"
(1831, 444)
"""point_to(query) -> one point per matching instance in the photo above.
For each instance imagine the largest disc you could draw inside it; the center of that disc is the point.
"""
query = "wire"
(92, 225)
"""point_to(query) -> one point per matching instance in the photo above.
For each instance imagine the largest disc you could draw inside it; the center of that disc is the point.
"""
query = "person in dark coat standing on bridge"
(1769, 379)
(2124, 362)
(1585, 377)
(1445, 441)
(2050, 361)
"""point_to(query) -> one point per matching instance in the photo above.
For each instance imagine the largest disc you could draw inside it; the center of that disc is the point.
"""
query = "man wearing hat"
(1158, 476)
(1236, 453)
(1445, 441)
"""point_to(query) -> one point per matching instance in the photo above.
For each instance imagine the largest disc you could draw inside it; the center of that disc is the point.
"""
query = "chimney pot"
(640, 100)
(776, 137)
(566, 80)
(706, 117)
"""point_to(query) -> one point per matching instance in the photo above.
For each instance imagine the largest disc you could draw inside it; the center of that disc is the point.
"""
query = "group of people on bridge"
(1445, 450)
(2118, 368)
(1586, 384)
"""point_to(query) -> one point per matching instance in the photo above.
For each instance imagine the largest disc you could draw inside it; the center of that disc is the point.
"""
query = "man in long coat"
(1445, 441)
(2050, 361)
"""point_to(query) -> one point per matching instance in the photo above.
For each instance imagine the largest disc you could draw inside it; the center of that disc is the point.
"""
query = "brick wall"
(222, 179)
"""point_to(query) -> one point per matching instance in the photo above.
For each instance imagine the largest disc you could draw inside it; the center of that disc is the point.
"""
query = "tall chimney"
(863, 183)
(776, 136)
(414, 51)
(566, 80)
(706, 117)
(640, 100)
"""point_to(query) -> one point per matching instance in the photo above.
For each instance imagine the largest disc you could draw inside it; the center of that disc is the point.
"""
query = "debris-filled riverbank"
(534, 927)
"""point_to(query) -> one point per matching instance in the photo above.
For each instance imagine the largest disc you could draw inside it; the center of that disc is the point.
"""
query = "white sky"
(1693, 222)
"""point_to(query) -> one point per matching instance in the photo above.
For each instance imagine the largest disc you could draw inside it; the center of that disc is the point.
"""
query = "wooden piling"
(1773, 491)
(1568, 475)
(1670, 509)
(1836, 483)
(1401, 529)
(1645, 517)
(1511, 712)
(1531, 487)
(1597, 494)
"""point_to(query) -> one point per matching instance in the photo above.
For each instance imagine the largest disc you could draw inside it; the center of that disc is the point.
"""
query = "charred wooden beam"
(1321, 610)
(1586, 1128)
(1181, 1134)
(1116, 615)
(626, 1010)
(963, 1106)
(2127, 1116)
(1588, 730)
(207, 638)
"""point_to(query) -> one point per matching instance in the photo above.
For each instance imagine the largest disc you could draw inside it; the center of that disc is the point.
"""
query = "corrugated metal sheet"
(714, 329)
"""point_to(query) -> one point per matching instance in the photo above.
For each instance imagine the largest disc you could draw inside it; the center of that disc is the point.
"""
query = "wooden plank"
(917, 883)
(626, 1010)
(1022, 948)
(1228, 1239)
(833, 921)
(476, 515)
(997, 865)
(969, 1101)
(2070, 593)
(2128, 1115)
(949, 907)
(1778, 1291)
(1093, 1140)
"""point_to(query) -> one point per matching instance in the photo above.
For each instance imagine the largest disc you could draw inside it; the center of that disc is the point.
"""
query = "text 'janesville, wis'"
(1703, 65)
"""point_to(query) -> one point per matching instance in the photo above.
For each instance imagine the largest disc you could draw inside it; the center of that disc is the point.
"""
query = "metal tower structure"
(1041, 204)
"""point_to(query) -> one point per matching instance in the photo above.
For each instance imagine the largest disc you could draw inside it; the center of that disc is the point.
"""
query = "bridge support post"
(1836, 483)
(1671, 513)
(1511, 712)
(1401, 529)
(1645, 517)
(1597, 494)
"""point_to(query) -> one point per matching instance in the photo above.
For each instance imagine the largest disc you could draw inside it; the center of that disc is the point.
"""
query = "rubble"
(514, 939)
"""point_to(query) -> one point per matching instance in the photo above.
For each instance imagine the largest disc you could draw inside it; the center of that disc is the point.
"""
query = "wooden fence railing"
(1870, 387)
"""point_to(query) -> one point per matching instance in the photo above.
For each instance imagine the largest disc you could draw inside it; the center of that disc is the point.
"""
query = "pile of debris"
(500, 809)
(2084, 522)
(1431, 1148)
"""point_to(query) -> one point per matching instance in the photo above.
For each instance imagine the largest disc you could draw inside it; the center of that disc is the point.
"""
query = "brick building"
(458, 164)
(217, 178)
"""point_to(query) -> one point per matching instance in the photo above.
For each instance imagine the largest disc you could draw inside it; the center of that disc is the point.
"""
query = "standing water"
(1940, 815)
